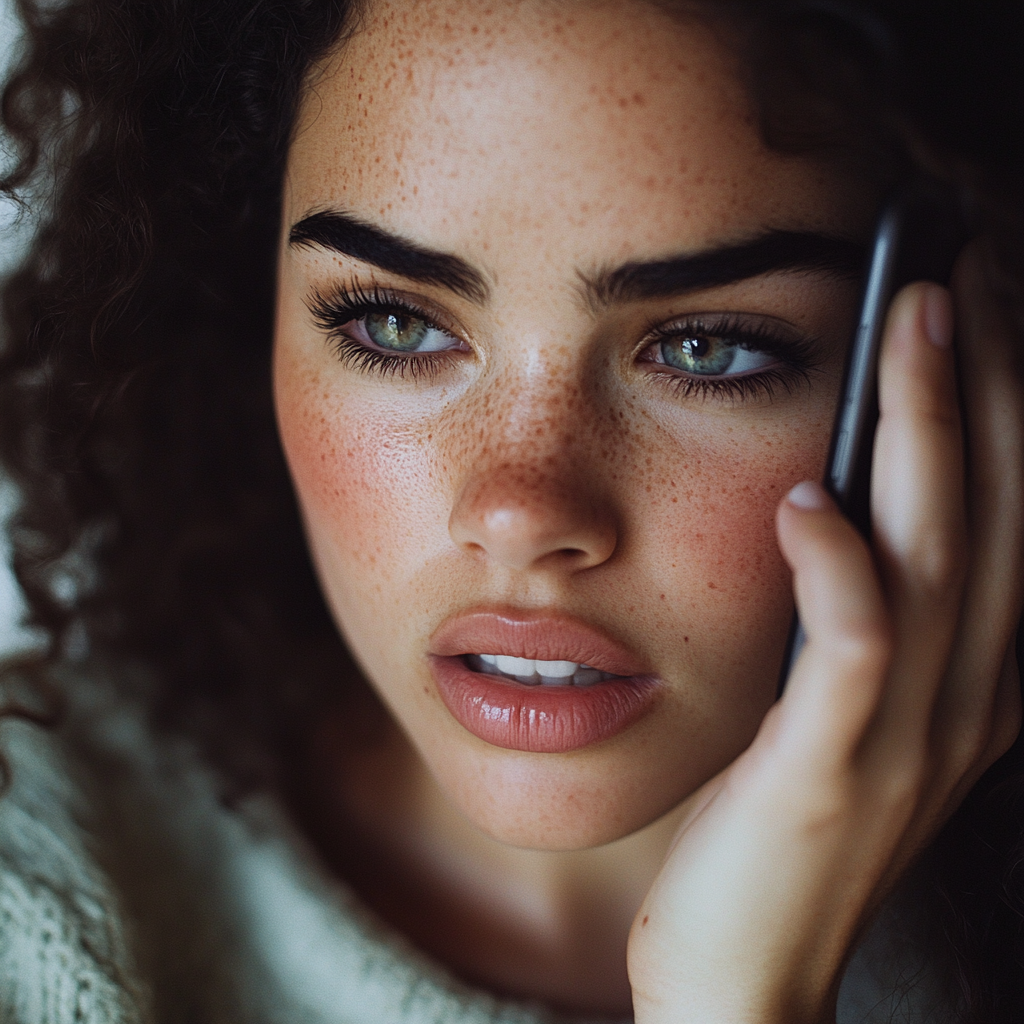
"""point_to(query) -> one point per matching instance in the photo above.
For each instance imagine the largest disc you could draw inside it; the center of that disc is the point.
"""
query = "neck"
(534, 924)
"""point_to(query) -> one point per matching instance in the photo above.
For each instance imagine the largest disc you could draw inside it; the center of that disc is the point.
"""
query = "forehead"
(616, 120)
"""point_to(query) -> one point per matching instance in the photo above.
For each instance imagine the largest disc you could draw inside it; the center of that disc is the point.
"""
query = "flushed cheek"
(368, 495)
(720, 590)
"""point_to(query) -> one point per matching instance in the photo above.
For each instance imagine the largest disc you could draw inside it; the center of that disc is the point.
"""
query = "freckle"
(663, 597)
(711, 586)
(647, 918)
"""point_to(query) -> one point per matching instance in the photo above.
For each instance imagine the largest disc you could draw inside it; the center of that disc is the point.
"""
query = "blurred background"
(13, 235)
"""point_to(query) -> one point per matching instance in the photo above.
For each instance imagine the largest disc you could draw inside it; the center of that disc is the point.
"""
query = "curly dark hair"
(157, 524)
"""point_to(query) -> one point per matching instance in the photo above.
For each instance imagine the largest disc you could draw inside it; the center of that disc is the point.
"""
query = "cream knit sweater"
(130, 894)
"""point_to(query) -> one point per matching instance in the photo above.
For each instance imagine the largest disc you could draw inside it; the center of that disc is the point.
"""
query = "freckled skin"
(545, 467)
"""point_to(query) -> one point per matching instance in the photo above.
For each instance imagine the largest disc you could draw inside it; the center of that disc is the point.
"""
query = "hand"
(906, 691)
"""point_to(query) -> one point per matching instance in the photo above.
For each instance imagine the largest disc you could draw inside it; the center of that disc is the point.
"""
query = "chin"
(560, 802)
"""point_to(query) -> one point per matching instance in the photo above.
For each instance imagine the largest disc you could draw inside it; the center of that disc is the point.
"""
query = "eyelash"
(333, 312)
(796, 356)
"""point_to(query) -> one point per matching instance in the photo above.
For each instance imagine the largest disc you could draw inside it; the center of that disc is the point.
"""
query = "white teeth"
(514, 666)
(528, 666)
(556, 669)
(535, 671)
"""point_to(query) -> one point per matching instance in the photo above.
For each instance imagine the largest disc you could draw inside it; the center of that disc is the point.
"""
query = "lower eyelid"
(363, 359)
(764, 384)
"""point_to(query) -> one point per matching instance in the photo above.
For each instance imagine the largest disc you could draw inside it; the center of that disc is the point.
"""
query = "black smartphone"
(918, 235)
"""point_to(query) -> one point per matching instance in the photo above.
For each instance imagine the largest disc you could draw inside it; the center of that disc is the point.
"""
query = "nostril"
(568, 557)
(492, 519)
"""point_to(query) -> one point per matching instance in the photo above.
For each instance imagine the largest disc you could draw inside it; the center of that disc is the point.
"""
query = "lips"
(538, 718)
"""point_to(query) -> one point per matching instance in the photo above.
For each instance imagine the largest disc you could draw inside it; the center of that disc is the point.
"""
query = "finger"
(1006, 724)
(918, 512)
(836, 684)
(1007, 711)
(990, 360)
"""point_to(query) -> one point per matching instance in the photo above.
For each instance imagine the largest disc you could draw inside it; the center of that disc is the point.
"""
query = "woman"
(558, 297)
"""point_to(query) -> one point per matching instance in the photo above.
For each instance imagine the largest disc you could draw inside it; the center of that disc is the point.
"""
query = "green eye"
(700, 355)
(399, 332)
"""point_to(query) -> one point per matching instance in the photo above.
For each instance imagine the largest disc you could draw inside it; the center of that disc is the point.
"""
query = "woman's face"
(555, 334)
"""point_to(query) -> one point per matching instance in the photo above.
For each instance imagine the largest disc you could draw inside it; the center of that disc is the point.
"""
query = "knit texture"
(63, 957)
(129, 893)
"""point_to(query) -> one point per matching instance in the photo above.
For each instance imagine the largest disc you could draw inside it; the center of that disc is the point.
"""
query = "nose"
(523, 517)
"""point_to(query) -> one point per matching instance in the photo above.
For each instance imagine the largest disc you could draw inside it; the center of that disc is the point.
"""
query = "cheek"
(719, 587)
(367, 490)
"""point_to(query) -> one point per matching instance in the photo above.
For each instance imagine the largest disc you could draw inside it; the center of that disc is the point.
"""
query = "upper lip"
(545, 636)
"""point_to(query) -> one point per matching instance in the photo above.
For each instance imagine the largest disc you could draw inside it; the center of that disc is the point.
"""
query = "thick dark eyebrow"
(773, 251)
(341, 232)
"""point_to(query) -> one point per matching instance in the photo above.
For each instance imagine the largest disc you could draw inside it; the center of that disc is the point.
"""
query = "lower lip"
(540, 719)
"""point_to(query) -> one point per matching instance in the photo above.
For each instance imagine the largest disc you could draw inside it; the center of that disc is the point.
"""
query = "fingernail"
(808, 495)
(938, 316)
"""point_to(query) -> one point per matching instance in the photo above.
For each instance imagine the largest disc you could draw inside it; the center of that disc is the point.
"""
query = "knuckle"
(826, 804)
(938, 407)
(869, 644)
(893, 795)
(904, 786)
(938, 562)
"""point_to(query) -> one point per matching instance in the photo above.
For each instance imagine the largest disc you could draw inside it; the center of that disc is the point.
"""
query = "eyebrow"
(773, 251)
(341, 232)
(770, 252)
